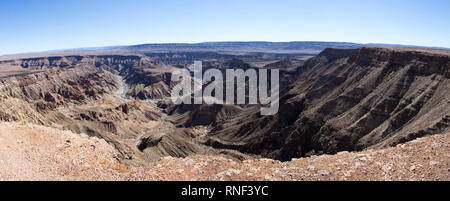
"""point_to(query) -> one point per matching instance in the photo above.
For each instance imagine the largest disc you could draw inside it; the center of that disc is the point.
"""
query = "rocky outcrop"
(339, 100)
(176, 144)
(147, 84)
(80, 100)
(109, 61)
(46, 91)
(345, 100)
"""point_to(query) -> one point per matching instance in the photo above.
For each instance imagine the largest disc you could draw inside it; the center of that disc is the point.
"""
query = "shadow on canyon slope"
(350, 99)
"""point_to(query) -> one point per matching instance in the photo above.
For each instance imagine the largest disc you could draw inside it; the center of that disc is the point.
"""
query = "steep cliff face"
(339, 100)
(80, 100)
(149, 84)
(350, 100)
(100, 96)
(111, 61)
(48, 90)
(146, 77)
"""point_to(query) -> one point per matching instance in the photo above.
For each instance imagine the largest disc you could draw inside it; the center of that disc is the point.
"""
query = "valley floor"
(30, 152)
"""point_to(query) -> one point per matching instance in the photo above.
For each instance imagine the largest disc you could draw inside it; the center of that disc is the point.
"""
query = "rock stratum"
(348, 100)
(363, 100)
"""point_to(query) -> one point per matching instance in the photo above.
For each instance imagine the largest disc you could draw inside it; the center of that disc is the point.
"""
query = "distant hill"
(279, 47)
(252, 46)
(302, 47)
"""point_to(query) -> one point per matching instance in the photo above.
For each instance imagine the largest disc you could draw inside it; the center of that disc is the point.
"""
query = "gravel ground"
(30, 152)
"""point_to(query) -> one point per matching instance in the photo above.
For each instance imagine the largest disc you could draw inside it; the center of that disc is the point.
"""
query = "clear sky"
(39, 25)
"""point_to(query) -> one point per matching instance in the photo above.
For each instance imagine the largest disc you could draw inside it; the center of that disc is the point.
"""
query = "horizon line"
(225, 41)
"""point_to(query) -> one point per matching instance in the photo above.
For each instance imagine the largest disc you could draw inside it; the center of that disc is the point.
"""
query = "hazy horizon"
(38, 26)
(131, 45)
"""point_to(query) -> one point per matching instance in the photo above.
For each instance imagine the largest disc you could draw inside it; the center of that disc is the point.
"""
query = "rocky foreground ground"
(30, 152)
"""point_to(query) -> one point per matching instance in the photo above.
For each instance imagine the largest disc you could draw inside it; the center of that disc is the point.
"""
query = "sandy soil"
(30, 152)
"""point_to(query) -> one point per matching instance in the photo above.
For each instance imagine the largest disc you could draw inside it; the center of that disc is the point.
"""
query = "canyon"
(332, 101)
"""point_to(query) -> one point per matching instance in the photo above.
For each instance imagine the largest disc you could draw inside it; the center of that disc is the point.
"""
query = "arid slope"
(339, 100)
(349, 100)
(30, 152)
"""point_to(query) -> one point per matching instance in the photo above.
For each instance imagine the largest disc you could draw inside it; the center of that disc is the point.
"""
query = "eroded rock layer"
(339, 100)
(348, 100)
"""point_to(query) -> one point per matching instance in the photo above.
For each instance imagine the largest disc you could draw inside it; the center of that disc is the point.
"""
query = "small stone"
(412, 168)
(342, 153)
(323, 172)
(386, 167)
(433, 163)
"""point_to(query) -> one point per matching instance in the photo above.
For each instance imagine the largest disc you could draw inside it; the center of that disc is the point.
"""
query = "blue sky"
(39, 25)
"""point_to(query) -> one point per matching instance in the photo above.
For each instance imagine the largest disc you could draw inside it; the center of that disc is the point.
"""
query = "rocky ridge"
(348, 100)
(339, 100)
